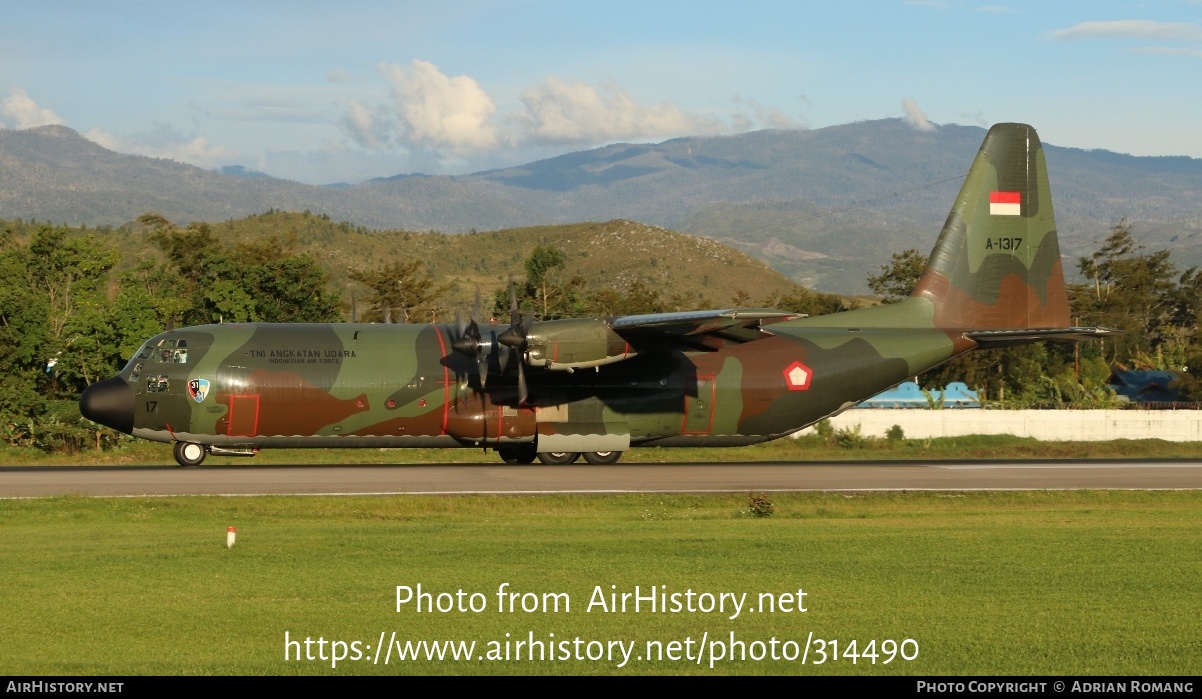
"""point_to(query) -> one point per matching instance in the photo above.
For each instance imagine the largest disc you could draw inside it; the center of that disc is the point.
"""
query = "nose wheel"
(190, 454)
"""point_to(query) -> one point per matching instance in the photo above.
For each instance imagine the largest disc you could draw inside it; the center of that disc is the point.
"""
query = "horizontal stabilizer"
(1001, 338)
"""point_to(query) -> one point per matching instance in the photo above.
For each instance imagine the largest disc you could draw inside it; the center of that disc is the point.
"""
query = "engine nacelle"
(567, 345)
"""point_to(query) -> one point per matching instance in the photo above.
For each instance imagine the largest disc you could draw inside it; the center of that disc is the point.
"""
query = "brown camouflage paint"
(716, 381)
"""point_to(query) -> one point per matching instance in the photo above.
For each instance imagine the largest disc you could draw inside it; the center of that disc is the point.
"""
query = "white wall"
(1051, 425)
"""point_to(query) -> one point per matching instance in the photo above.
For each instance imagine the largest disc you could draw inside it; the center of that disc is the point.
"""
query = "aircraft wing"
(701, 329)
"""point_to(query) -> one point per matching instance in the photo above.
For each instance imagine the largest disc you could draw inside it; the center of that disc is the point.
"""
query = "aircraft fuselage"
(380, 385)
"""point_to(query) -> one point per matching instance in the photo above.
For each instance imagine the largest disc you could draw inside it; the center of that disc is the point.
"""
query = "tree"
(400, 291)
(897, 279)
(550, 297)
(250, 282)
(53, 323)
(24, 319)
(1137, 292)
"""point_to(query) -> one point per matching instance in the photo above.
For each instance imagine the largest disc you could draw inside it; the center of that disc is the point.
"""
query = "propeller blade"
(482, 370)
(515, 335)
(522, 393)
(503, 358)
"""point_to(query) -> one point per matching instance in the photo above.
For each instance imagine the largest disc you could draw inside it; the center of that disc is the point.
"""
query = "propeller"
(514, 337)
(469, 341)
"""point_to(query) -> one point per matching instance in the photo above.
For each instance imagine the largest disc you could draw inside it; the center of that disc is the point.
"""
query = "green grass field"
(1006, 583)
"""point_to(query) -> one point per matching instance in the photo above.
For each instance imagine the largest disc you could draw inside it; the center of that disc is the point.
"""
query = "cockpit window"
(136, 361)
(160, 352)
(156, 384)
(170, 352)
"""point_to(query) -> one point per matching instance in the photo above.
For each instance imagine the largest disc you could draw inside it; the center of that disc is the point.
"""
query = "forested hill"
(696, 273)
(603, 255)
(822, 206)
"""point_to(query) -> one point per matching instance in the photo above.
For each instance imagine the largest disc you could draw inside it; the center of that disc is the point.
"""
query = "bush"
(825, 431)
(759, 505)
(850, 438)
(895, 434)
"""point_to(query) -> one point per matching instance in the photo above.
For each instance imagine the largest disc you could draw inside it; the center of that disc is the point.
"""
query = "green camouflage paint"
(713, 378)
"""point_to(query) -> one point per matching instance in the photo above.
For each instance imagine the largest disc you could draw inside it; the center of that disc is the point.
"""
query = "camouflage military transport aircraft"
(559, 389)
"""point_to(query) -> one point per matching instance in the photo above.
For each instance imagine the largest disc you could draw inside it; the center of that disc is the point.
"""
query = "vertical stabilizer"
(997, 262)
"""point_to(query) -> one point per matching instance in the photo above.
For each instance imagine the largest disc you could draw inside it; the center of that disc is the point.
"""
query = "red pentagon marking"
(798, 376)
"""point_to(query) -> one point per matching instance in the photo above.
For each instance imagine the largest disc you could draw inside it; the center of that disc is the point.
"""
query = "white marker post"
(229, 537)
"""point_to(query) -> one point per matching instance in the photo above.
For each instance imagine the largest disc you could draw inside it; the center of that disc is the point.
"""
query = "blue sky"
(324, 93)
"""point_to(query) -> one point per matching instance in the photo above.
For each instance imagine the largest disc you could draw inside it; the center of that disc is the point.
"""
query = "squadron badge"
(198, 389)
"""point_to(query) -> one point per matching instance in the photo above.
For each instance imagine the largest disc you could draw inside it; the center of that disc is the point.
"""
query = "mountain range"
(825, 206)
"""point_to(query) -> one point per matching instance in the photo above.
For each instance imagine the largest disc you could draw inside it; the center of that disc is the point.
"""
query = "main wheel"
(558, 458)
(517, 455)
(190, 454)
(602, 457)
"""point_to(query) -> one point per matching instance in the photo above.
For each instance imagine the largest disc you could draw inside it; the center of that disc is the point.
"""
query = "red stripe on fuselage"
(446, 381)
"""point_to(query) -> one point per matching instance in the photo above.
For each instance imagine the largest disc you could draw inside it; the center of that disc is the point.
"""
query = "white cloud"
(338, 76)
(370, 127)
(163, 141)
(914, 116)
(441, 112)
(24, 112)
(1130, 29)
(562, 112)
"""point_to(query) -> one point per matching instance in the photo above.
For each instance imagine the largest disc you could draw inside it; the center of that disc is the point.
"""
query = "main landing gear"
(189, 454)
(602, 457)
(562, 458)
(525, 454)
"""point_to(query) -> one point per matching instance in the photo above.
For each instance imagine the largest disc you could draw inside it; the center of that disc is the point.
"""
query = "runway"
(448, 479)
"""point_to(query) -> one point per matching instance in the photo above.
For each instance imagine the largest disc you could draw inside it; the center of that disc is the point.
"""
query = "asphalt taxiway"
(247, 480)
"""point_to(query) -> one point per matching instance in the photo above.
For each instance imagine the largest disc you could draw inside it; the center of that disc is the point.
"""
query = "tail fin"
(997, 264)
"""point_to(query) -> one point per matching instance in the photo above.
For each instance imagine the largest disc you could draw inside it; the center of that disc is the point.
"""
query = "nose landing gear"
(189, 454)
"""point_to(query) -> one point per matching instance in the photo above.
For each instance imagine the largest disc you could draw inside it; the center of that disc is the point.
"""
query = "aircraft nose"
(110, 403)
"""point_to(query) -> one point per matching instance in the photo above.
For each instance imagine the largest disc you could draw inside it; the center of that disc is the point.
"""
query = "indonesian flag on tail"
(1005, 204)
